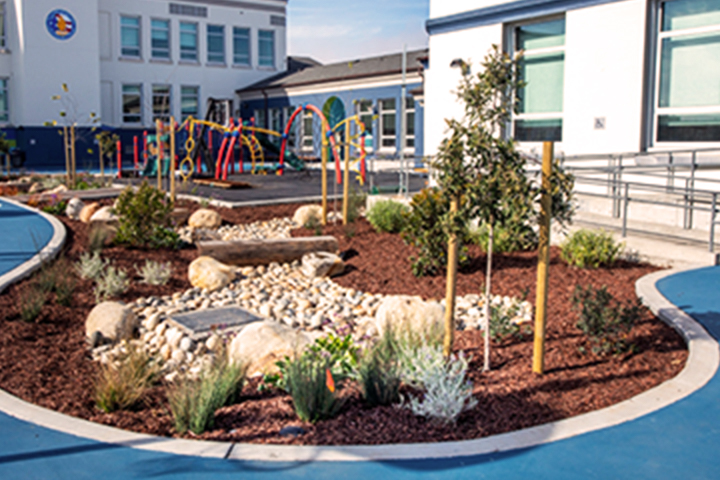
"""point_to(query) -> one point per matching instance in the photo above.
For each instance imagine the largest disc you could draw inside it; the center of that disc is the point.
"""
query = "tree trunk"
(488, 271)
(452, 261)
(256, 252)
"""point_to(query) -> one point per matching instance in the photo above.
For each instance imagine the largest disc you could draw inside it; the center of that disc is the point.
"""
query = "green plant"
(155, 273)
(388, 216)
(90, 266)
(356, 202)
(502, 325)
(99, 236)
(604, 320)
(164, 237)
(110, 283)
(312, 385)
(144, 217)
(55, 207)
(589, 249)
(193, 401)
(379, 371)
(506, 239)
(31, 301)
(123, 382)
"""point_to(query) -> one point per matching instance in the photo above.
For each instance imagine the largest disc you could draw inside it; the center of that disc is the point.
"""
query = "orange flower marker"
(329, 381)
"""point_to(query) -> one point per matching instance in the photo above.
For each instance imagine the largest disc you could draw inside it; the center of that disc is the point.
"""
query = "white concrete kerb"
(48, 252)
(702, 363)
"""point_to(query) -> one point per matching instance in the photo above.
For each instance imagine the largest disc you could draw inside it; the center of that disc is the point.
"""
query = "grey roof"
(353, 69)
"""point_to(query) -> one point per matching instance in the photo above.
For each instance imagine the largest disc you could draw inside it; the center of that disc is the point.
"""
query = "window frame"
(511, 39)
(307, 135)
(138, 28)
(382, 111)
(153, 49)
(4, 92)
(210, 61)
(366, 111)
(159, 115)
(271, 64)
(3, 26)
(183, 96)
(196, 52)
(235, 62)
(139, 94)
(656, 111)
(409, 110)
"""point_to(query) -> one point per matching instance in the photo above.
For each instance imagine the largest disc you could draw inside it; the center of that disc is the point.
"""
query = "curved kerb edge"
(46, 253)
(701, 365)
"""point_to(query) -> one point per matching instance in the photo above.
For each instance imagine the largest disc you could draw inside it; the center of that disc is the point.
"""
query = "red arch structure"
(328, 132)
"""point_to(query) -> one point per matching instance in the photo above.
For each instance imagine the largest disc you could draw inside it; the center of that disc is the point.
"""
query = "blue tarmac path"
(677, 442)
(23, 233)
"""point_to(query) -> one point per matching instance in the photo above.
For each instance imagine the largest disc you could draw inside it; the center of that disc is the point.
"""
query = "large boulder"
(110, 321)
(403, 313)
(179, 216)
(205, 218)
(209, 274)
(104, 214)
(88, 211)
(57, 190)
(322, 264)
(307, 214)
(74, 207)
(259, 345)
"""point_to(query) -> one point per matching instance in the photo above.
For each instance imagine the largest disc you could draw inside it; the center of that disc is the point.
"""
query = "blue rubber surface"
(677, 442)
(23, 233)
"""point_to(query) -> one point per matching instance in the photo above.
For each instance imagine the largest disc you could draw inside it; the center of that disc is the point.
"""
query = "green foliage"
(57, 277)
(603, 319)
(507, 239)
(111, 283)
(502, 325)
(31, 300)
(193, 401)
(424, 230)
(388, 216)
(90, 266)
(144, 218)
(123, 382)
(379, 372)
(107, 141)
(312, 385)
(155, 273)
(55, 207)
(356, 202)
(588, 249)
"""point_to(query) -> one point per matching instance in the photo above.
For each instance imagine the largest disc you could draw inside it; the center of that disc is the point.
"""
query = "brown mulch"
(47, 362)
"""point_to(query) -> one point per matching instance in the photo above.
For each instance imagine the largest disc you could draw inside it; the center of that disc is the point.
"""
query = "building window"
(132, 103)
(410, 123)
(161, 102)
(189, 41)
(130, 36)
(160, 39)
(388, 131)
(276, 119)
(688, 87)
(292, 133)
(542, 68)
(3, 43)
(366, 114)
(4, 110)
(260, 119)
(216, 43)
(241, 46)
(189, 102)
(266, 48)
(308, 120)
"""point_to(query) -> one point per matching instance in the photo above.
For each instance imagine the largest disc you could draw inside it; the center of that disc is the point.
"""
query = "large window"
(4, 110)
(366, 114)
(3, 43)
(388, 131)
(132, 103)
(687, 103)
(410, 123)
(161, 103)
(130, 36)
(189, 41)
(542, 68)
(241, 46)
(160, 39)
(216, 44)
(189, 102)
(266, 48)
(308, 120)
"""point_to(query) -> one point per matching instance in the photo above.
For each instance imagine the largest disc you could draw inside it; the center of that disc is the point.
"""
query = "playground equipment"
(360, 146)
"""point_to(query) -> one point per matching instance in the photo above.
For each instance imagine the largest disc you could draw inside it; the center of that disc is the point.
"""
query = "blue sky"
(333, 31)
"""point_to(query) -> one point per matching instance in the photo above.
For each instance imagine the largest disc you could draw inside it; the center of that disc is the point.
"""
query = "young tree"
(480, 170)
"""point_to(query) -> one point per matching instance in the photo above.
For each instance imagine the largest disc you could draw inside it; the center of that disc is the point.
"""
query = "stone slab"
(201, 323)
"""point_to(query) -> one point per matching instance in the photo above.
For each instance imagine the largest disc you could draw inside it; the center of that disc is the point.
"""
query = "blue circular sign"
(61, 24)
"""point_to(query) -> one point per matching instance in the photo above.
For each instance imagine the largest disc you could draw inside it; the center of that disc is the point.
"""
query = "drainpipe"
(267, 110)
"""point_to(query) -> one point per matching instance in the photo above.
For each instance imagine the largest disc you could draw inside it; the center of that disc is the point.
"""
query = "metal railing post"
(625, 209)
(712, 222)
(686, 205)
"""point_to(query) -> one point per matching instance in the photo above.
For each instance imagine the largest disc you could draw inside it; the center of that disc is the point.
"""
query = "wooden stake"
(67, 157)
(172, 159)
(450, 287)
(543, 261)
(73, 164)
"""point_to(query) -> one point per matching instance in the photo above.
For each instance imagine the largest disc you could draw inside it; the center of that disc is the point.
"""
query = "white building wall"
(441, 9)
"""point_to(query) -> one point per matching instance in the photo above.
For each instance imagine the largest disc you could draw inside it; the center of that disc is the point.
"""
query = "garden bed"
(48, 363)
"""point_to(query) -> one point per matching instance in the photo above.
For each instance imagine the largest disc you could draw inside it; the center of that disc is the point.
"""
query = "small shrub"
(31, 301)
(155, 273)
(604, 320)
(356, 202)
(379, 372)
(193, 401)
(65, 281)
(90, 266)
(55, 207)
(513, 238)
(123, 382)
(144, 217)
(502, 324)
(98, 237)
(588, 249)
(446, 391)
(312, 385)
(388, 216)
(111, 283)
